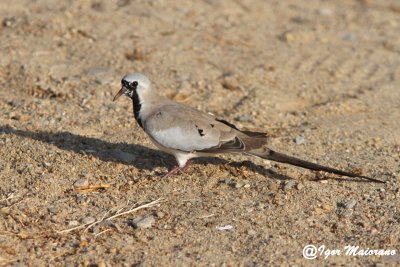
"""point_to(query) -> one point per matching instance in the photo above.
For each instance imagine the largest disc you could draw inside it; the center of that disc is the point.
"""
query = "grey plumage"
(187, 133)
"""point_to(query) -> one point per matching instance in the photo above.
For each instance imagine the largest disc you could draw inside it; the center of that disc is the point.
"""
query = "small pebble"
(273, 187)
(143, 222)
(349, 36)
(81, 198)
(318, 210)
(350, 204)
(22, 117)
(81, 183)
(95, 229)
(46, 164)
(374, 231)
(299, 186)
(160, 214)
(260, 206)
(178, 230)
(238, 185)
(112, 250)
(227, 181)
(73, 223)
(346, 213)
(15, 103)
(300, 139)
(230, 83)
(327, 207)
(246, 186)
(52, 209)
(227, 227)
(9, 21)
(88, 220)
(15, 116)
(289, 185)
(251, 232)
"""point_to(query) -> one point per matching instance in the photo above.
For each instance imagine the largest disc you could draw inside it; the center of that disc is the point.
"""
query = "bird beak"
(120, 92)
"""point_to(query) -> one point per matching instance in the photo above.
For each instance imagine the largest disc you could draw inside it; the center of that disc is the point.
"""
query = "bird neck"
(144, 103)
(137, 106)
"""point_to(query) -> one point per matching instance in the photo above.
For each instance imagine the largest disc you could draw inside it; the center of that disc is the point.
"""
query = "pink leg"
(171, 172)
(176, 169)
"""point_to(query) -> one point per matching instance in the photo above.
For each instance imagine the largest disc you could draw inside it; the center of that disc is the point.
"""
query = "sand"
(321, 77)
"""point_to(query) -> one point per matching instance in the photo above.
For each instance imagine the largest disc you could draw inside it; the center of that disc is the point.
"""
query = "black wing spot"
(212, 125)
(235, 144)
(201, 132)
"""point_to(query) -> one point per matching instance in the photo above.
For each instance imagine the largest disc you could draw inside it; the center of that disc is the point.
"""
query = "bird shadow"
(138, 156)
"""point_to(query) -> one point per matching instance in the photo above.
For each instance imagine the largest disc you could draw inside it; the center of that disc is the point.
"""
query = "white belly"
(181, 156)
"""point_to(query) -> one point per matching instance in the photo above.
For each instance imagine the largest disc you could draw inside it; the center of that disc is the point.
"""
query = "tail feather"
(282, 158)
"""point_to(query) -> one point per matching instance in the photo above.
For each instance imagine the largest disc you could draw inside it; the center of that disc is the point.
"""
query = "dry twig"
(118, 214)
(91, 188)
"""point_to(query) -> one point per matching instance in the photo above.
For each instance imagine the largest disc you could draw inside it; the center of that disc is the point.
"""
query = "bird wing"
(176, 126)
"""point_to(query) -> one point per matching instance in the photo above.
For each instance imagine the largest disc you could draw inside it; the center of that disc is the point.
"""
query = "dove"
(187, 133)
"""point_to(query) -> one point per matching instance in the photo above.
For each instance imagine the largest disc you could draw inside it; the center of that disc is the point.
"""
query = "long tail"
(279, 157)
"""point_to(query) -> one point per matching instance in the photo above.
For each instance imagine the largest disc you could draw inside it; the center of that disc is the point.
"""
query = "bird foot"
(176, 169)
(171, 172)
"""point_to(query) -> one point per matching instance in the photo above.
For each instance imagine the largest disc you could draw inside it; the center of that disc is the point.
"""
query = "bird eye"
(135, 83)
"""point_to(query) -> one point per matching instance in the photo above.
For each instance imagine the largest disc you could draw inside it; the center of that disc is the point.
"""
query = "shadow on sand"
(126, 153)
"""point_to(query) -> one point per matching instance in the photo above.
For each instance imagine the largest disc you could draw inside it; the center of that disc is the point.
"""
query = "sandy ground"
(322, 77)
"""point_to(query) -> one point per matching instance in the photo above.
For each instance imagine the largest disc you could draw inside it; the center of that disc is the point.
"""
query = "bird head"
(133, 84)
